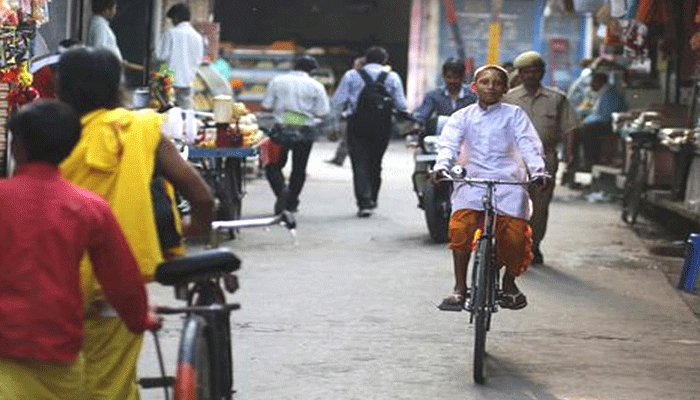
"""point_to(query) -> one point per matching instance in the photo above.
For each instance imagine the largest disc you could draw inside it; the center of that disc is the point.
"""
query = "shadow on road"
(504, 382)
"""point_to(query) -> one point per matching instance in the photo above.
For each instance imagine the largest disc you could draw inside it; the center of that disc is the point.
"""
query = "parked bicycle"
(204, 362)
(634, 193)
(485, 292)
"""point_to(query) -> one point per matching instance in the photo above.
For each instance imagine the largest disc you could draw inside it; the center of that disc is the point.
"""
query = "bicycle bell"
(458, 171)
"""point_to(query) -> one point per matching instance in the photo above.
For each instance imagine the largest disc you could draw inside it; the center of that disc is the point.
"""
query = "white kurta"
(500, 143)
(182, 48)
(100, 35)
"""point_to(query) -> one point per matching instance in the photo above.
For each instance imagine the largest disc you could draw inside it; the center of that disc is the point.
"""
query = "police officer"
(554, 118)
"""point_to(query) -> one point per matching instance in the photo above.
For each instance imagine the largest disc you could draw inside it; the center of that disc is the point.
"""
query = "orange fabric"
(513, 238)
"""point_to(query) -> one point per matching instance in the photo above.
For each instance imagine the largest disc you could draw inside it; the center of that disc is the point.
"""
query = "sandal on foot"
(453, 302)
(513, 301)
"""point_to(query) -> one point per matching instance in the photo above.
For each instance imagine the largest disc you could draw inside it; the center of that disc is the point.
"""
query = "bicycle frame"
(485, 291)
(207, 311)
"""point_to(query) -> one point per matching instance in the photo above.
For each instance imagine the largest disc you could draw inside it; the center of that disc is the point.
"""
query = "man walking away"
(297, 101)
(554, 119)
(182, 48)
(372, 94)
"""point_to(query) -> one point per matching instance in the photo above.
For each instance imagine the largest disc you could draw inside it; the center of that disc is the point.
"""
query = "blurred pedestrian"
(555, 121)
(297, 101)
(116, 158)
(48, 225)
(182, 48)
(372, 95)
(101, 35)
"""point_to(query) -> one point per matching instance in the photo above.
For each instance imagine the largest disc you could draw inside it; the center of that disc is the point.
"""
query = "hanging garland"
(18, 22)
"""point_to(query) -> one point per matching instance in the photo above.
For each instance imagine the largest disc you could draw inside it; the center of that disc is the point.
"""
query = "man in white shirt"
(182, 48)
(99, 33)
(500, 142)
(297, 101)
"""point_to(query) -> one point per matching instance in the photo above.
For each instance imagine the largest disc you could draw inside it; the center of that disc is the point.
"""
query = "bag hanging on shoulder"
(375, 105)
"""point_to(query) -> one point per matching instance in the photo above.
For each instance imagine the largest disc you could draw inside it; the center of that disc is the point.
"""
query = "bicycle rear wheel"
(634, 190)
(482, 311)
(194, 366)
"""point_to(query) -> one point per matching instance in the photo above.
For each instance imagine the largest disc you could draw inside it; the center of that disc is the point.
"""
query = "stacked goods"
(249, 129)
(242, 131)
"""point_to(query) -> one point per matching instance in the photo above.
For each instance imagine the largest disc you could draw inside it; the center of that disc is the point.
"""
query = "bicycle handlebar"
(215, 307)
(284, 218)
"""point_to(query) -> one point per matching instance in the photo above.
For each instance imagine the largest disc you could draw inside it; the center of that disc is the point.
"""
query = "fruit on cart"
(239, 110)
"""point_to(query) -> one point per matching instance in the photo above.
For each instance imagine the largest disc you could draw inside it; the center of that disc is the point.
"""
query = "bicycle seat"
(644, 135)
(193, 267)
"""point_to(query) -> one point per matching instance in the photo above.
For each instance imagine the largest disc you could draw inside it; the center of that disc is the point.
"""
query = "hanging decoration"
(162, 92)
(18, 22)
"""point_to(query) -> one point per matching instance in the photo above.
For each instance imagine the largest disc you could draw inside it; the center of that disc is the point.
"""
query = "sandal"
(513, 301)
(453, 302)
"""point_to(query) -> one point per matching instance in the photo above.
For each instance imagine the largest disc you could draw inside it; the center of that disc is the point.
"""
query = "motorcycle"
(433, 199)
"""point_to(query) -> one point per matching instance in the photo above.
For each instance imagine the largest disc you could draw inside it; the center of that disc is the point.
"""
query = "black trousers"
(366, 148)
(300, 157)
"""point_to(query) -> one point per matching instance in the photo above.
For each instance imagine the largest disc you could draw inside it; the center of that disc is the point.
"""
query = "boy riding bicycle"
(500, 142)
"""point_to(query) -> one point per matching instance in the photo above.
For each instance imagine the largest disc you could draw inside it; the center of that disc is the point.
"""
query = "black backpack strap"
(382, 77)
(365, 77)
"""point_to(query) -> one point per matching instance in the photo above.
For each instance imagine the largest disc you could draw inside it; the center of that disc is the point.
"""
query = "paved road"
(349, 313)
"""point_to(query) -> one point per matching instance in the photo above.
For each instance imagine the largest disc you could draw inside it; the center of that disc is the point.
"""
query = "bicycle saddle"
(192, 267)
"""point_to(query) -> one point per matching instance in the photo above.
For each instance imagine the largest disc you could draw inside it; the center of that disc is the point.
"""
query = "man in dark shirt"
(448, 98)
(48, 224)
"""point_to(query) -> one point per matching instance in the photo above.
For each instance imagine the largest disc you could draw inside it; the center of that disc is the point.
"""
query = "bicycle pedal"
(149, 383)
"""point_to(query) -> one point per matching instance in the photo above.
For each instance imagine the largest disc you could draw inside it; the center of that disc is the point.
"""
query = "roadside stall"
(217, 142)
(658, 137)
(18, 23)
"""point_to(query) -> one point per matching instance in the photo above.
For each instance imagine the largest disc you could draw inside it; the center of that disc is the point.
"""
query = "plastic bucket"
(691, 264)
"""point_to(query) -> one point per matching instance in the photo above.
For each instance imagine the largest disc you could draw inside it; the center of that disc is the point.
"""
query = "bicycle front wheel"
(194, 370)
(482, 311)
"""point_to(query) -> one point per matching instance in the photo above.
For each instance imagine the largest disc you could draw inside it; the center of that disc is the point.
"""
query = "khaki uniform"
(552, 114)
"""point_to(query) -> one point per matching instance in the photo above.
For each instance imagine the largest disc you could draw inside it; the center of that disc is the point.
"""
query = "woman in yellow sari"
(115, 158)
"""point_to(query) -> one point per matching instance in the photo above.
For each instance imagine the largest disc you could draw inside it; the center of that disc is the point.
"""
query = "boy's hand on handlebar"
(438, 175)
(542, 182)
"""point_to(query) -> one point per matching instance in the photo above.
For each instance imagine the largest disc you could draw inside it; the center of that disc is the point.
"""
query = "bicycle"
(204, 362)
(636, 177)
(485, 293)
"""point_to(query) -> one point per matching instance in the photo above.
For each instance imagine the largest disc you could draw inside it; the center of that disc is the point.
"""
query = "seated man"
(596, 129)
(501, 143)
(47, 225)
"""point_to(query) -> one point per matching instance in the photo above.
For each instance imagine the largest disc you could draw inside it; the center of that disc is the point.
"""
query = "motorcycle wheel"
(437, 211)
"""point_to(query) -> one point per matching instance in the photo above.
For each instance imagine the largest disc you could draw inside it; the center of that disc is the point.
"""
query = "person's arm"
(268, 102)
(117, 271)
(323, 106)
(341, 97)
(396, 91)
(190, 184)
(568, 121)
(450, 142)
(164, 50)
(425, 109)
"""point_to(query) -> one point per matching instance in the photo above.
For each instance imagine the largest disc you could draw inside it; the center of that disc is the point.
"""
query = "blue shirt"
(438, 101)
(610, 101)
(350, 86)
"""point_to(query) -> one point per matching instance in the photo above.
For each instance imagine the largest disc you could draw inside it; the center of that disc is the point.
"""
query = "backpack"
(374, 106)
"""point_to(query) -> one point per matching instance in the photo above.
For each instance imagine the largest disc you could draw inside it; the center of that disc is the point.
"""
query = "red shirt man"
(47, 225)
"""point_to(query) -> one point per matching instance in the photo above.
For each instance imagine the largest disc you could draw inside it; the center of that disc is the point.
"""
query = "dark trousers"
(300, 157)
(366, 148)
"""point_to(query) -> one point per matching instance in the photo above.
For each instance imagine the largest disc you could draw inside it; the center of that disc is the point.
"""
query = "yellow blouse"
(114, 158)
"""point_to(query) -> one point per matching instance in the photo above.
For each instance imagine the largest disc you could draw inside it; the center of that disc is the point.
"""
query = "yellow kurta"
(115, 158)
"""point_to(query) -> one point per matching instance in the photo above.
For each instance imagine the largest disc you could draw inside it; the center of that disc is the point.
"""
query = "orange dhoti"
(513, 238)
